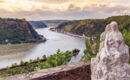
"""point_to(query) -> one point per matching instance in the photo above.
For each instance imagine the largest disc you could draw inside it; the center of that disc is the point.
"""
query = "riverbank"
(69, 34)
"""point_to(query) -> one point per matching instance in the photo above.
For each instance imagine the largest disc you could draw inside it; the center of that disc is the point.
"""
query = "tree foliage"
(91, 49)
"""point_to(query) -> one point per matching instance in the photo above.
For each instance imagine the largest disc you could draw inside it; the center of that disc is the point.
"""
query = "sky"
(63, 9)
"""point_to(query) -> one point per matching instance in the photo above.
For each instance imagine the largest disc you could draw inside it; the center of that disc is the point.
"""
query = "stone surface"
(74, 71)
(111, 63)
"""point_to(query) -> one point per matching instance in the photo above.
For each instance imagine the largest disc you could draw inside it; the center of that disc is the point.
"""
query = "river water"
(10, 54)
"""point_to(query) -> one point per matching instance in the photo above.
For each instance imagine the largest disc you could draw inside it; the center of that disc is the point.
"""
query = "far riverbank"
(68, 33)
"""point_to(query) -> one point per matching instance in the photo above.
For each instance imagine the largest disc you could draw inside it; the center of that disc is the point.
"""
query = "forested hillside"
(17, 31)
(94, 27)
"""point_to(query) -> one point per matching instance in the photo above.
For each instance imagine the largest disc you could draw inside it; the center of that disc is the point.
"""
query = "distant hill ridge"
(46, 23)
(53, 22)
(17, 31)
(38, 24)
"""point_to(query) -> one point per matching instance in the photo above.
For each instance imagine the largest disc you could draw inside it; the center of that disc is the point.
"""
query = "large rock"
(111, 63)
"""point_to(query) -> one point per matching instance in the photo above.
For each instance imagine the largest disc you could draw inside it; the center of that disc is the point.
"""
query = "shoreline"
(68, 33)
(43, 39)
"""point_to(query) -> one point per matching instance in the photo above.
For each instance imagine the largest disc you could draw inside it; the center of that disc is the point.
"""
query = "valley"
(16, 53)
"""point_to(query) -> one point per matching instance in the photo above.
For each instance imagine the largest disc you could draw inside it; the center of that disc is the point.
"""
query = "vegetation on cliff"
(91, 50)
(60, 58)
(17, 31)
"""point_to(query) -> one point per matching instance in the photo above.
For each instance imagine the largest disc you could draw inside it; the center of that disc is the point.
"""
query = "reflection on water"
(15, 48)
(10, 54)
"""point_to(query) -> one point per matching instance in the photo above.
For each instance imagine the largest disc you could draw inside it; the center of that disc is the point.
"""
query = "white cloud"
(66, 9)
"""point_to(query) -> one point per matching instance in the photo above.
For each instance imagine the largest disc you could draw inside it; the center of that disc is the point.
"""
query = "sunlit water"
(10, 54)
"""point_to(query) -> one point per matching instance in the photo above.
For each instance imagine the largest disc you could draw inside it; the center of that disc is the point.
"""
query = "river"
(16, 53)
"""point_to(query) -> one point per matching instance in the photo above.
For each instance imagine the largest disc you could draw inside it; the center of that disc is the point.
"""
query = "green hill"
(17, 31)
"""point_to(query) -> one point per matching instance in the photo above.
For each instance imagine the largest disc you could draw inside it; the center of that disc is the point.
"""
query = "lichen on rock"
(111, 63)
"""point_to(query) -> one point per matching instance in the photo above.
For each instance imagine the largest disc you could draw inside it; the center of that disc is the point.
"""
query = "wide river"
(10, 54)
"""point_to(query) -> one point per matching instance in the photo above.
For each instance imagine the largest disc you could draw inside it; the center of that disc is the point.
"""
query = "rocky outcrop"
(74, 71)
(111, 63)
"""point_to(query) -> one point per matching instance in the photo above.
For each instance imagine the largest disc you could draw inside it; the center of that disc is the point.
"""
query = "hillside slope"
(94, 27)
(17, 31)
(88, 27)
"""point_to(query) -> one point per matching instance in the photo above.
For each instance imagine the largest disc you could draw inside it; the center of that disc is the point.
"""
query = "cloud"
(63, 9)
(102, 0)
(2, 1)
(51, 1)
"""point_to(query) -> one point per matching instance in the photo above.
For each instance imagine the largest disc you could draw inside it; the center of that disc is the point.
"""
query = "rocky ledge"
(74, 71)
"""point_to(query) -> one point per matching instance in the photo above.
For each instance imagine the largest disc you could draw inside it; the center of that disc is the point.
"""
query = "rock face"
(111, 63)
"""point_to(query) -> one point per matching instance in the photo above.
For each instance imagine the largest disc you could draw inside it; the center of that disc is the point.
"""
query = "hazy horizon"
(34, 10)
